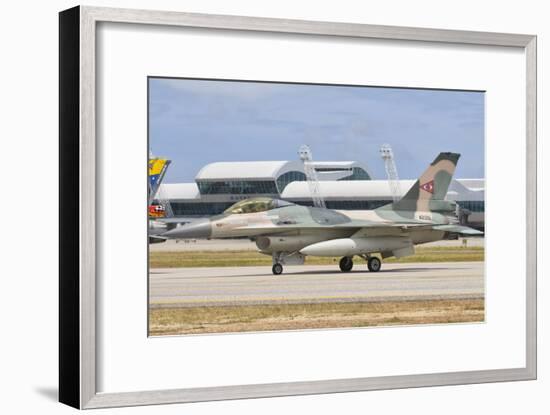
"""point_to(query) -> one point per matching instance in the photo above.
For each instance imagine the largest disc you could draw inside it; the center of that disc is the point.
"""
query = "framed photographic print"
(255, 207)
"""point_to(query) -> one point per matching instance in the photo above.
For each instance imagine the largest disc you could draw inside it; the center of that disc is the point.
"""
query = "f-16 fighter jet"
(289, 232)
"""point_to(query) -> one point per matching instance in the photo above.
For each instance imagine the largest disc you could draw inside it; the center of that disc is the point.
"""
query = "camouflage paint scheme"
(285, 230)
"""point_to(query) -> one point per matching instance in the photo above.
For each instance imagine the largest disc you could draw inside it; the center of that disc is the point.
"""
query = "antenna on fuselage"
(311, 176)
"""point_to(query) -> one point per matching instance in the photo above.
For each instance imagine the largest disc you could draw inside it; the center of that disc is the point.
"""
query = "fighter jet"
(289, 232)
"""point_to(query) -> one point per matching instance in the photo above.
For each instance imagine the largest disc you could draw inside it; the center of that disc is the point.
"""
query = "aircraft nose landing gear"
(277, 269)
(346, 264)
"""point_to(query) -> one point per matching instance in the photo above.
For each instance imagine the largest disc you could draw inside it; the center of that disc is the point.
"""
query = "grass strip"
(251, 258)
(223, 319)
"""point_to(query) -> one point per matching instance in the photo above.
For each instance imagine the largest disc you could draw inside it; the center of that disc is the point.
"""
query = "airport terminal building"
(343, 185)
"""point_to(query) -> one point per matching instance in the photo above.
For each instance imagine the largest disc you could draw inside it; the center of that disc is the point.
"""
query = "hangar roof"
(247, 170)
(345, 189)
(270, 170)
(460, 189)
(376, 189)
(169, 191)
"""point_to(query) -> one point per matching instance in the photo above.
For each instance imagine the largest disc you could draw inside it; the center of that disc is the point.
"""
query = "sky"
(195, 122)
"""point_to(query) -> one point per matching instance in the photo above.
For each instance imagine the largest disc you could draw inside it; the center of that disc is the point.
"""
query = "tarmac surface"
(189, 287)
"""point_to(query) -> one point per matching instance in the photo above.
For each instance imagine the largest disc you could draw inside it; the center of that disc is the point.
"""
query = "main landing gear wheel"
(374, 264)
(346, 264)
(277, 269)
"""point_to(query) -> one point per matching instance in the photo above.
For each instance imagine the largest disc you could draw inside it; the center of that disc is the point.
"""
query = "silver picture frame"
(77, 277)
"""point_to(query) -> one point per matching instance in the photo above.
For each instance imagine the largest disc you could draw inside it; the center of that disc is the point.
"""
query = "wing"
(358, 227)
(397, 229)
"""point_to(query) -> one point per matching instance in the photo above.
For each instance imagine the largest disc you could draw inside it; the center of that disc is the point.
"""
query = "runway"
(186, 287)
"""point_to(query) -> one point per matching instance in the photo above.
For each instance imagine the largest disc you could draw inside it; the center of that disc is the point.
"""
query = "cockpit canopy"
(257, 204)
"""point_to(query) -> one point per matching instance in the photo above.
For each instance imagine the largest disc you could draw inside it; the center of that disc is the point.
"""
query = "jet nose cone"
(199, 229)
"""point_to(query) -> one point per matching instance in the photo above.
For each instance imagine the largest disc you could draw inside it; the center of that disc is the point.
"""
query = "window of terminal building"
(289, 177)
(357, 174)
(238, 187)
(332, 169)
(198, 209)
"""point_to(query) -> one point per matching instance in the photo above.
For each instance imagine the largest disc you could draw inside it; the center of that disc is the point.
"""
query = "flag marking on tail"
(428, 187)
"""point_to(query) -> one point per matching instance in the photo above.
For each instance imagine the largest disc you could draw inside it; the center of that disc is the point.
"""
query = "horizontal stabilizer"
(463, 230)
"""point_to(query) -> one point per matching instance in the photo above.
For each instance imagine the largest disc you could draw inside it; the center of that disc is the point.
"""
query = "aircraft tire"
(346, 264)
(277, 269)
(374, 264)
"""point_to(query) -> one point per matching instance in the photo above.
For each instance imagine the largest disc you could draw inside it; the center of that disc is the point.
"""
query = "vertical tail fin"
(431, 186)
(157, 170)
